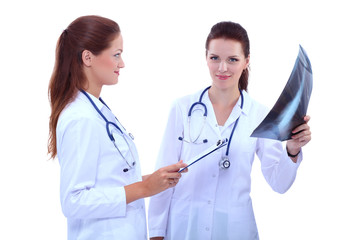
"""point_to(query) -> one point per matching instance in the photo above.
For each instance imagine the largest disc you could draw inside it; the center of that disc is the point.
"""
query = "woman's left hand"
(300, 139)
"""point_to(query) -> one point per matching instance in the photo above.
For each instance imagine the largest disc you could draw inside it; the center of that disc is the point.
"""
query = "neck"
(92, 86)
(224, 97)
(94, 92)
(92, 89)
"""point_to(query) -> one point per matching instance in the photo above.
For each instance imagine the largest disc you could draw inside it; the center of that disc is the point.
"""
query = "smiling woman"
(213, 200)
(223, 66)
(220, 33)
(104, 68)
(68, 70)
(101, 187)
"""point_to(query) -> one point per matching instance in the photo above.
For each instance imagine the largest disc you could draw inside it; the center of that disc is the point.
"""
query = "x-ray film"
(291, 107)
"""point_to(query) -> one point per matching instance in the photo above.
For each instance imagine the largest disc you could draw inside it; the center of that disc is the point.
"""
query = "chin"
(223, 84)
(113, 82)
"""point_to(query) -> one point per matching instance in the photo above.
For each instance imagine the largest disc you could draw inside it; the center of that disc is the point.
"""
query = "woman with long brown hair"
(213, 200)
(101, 187)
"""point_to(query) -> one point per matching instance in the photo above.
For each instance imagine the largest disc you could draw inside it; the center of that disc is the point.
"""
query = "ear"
(87, 58)
(247, 61)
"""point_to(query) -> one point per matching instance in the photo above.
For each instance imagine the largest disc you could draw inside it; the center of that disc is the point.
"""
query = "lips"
(117, 72)
(222, 77)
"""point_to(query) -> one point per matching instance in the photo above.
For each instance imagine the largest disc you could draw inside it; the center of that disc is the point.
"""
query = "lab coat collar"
(96, 101)
(247, 103)
(236, 112)
(211, 118)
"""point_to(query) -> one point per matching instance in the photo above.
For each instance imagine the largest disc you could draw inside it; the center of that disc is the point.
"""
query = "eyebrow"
(234, 56)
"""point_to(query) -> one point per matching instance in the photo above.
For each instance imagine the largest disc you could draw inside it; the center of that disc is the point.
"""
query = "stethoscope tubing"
(102, 115)
(107, 128)
(206, 114)
(201, 103)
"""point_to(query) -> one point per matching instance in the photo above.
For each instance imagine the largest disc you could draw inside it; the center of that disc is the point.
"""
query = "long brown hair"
(93, 33)
(232, 31)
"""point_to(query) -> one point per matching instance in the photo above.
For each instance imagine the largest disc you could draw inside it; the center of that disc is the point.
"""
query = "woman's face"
(106, 66)
(226, 62)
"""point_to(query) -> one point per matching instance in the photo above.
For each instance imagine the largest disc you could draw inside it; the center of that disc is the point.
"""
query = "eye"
(117, 55)
(214, 58)
(232, 60)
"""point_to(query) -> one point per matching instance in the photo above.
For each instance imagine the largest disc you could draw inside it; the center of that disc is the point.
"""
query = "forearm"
(278, 168)
(145, 177)
(160, 180)
(136, 191)
(90, 203)
(293, 153)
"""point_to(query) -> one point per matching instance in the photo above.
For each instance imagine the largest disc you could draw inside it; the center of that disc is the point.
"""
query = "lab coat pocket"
(190, 150)
(180, 206)
(178, 218)
(241, 224)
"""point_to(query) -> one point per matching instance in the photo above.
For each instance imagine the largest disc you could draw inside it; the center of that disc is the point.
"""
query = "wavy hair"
(93, 33)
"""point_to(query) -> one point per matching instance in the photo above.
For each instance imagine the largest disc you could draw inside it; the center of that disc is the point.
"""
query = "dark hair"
(232, 31)
(93, 33)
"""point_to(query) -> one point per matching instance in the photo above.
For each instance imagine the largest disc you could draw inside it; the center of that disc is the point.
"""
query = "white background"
(165, 59)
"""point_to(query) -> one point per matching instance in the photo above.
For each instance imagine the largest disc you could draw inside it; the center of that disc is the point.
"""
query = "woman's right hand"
(164, 178)
(155, 183)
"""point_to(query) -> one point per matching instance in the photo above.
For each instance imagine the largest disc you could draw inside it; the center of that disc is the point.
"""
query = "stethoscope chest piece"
(224, 163)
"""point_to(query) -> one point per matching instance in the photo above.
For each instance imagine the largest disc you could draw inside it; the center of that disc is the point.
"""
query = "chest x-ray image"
(291, 107)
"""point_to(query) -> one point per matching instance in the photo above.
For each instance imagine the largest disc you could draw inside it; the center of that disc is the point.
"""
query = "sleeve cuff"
(156, 233)
(299, 159)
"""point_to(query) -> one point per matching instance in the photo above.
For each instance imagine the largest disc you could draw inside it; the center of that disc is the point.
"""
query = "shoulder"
(187, 100)
(253, 111)
(253, 107)
(180, 106)
(78, 111)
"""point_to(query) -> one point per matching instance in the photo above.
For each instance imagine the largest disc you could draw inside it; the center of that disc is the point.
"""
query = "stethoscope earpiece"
(182, 139)
(126, 169)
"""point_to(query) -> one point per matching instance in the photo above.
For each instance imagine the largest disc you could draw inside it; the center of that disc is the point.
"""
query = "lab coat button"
(214, 175)
(207, 229)
(209, 202)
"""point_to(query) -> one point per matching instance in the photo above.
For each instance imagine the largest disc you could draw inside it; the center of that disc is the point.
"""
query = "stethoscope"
(110, 132)
(224, 163)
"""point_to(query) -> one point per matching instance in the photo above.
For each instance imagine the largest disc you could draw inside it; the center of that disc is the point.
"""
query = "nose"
(222, 66)
(121, 63)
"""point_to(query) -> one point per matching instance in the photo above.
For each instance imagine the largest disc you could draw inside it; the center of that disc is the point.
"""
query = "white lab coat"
(92, 179)
(208, 202)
